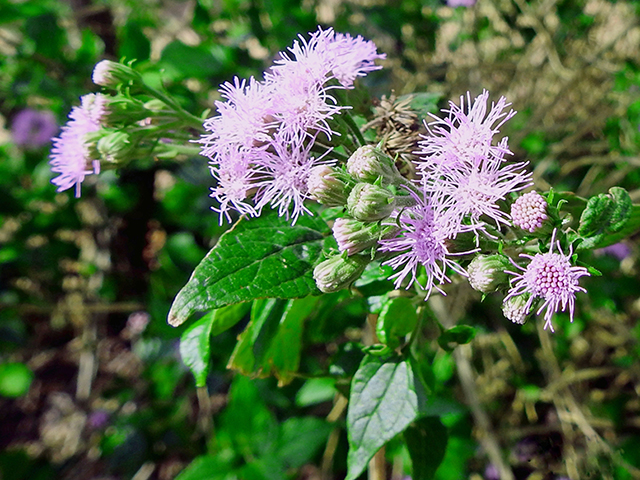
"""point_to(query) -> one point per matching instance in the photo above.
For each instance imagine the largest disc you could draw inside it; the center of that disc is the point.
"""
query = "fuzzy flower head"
(70, 155)
(551, 278)
(422, 241)
(466, 135)
(529, 211)
(474, 191)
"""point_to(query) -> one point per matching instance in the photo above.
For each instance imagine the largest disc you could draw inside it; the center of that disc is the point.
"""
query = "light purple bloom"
(550, 277)
(618, 250)
(529, 211)
(33, 128)
(259, 142)
(466, 134)
(69, 155)
(422, 241)
(460, 164)
(284, 175)
(461, 3)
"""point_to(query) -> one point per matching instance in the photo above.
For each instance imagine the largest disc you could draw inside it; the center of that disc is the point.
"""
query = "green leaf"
(134, 44)
(397, 318)
(195, 348)
(316, 390)
(631, 226)
(272, 342)
(426, 441)
(595, 217)
(300, 439)
(206, 466)
(262, 258)
(15, 379)
(385, 398)
(458, 335)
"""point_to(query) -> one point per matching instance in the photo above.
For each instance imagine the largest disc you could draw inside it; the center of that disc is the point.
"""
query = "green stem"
(191, 119)
(355, 131)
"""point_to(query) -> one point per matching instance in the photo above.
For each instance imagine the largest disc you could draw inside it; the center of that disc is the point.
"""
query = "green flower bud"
(121, 109)
(111, 74)
(369, 203)
(517, 308)
(107, 145)
(368, 163)
(487, 272)
(339, 272)
(354, 236)
(329, 186)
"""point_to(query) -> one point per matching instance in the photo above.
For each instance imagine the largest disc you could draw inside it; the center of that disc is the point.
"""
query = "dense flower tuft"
(550, 277)
(70, 154)
(259, 143)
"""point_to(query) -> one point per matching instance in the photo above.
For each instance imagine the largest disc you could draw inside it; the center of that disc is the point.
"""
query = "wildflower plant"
(323, 208)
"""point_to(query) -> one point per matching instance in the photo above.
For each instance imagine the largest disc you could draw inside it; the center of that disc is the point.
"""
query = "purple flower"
(422, 241)
(466, 135)
(33, 128)
(69, 155)
(284, 175)
(618, 250)
(461, 3)
(529, 211)
(550, 277)
(462, 166)
(259, 142)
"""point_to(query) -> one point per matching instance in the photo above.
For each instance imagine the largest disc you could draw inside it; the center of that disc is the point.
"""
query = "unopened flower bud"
(369, 203)
(517, 308)
(329, 186)
(107, 145)
(354, 236)
(529, 211)
(121, 109)
(339, 272)
(487, 272)
(368, 163)
(111, 74)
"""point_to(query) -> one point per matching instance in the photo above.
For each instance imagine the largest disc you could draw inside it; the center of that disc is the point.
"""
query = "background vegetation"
(91, 381)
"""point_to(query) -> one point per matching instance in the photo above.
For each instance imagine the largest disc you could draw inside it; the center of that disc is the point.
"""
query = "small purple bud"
(529, 211)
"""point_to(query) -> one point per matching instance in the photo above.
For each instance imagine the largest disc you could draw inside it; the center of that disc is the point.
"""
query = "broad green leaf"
(195, 348)
(247, 419)
(397, 318)
(426, 441)
(272, 341)
(195, 342)
(262, 258)
(631, 226)
(385, 398)
(301, 439)
(316, 390)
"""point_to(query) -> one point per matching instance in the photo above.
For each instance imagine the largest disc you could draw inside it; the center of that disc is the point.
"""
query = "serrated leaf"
(426, 441)
(272, 342)
(385, 398)
(195, 348)
(622, 209)
(604, 240)
(595, 217)
(262, 258)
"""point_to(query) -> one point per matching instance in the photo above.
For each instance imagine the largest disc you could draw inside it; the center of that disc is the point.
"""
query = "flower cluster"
(260, 142)
(550, 278)
(70, 155)
(108, 130)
